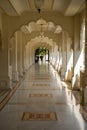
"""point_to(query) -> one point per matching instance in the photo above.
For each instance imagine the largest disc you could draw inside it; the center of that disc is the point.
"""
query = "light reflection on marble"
(63, 102)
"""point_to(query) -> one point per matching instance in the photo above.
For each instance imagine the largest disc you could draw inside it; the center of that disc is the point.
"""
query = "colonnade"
(70, 63)
(67, 51)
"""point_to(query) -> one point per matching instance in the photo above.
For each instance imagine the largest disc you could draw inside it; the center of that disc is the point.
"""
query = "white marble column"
(5, 82)
(76, 53)
(85, 74)
(19, 53)
(27, 57)
(56, 57)
(10, 59)
(14, 59)
(23, 53)
(64, 58)
(31, 55)
(60, 51)
(69, 60)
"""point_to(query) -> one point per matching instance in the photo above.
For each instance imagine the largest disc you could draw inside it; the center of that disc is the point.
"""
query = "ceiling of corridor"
(41, 29)
(66, 7)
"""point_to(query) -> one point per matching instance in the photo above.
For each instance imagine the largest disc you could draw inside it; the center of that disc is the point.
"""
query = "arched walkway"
(54, 91)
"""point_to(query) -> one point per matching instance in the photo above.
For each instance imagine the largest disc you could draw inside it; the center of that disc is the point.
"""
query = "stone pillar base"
(85, 96)
(21, 74)
(24, 70)
(68, 76)
(62, 74)
(83, 111)
(74, 87)
(5, 83)
(75, 83)
(15, 76)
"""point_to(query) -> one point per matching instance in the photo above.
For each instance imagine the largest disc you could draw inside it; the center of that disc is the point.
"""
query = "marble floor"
(41, 92)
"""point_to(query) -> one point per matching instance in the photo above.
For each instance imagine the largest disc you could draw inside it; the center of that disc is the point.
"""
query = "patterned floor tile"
(28, 116)
(40, 84)
(40, 95)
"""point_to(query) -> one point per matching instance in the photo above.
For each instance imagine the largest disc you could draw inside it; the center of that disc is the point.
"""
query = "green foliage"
(41, 51)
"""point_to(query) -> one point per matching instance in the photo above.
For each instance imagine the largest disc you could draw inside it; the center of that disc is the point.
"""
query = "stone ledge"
(5, 83)
(83, 111)
(9, 95)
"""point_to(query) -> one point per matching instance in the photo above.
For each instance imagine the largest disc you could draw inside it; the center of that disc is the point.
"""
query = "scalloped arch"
(38, 40)
(41, 25)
